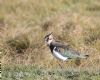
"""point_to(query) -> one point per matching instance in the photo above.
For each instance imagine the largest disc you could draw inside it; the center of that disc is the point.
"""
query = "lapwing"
(62, 51)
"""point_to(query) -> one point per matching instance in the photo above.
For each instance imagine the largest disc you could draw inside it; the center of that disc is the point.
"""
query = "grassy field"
(23, 25)
(37, 73)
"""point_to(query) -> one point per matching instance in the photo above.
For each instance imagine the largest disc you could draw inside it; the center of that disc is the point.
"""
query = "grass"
(23, 25)
(37, 73)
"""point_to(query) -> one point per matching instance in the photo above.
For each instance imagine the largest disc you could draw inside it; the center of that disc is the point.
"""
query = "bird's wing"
(68, 51)
(74, 54)
(60, 45)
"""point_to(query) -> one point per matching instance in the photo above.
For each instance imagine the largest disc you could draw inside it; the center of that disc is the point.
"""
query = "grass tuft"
(19, 43)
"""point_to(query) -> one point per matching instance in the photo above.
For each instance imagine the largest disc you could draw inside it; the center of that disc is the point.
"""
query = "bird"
(62, 51)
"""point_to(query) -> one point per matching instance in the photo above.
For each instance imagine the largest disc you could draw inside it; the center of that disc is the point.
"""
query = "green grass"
(38, 73)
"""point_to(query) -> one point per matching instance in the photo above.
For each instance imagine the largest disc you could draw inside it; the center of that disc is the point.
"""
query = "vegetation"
(37, 73)
(23, 25)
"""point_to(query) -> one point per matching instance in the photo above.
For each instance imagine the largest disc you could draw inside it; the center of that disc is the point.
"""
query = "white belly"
(59, 56)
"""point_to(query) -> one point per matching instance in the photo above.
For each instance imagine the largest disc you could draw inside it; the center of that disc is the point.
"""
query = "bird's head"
(49, 38)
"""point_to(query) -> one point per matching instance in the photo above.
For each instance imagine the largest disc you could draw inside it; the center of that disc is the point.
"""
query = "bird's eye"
(47, 39)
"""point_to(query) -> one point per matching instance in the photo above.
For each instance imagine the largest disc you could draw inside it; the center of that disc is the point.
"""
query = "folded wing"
(65, 51)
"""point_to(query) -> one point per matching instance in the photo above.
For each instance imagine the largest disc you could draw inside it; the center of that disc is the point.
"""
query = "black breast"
(51, 47)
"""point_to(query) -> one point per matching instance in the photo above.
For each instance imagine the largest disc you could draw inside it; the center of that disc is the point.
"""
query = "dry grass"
(24, 23)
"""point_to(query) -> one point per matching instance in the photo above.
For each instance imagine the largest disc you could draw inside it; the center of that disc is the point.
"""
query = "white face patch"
(51, 36)
(49, 41)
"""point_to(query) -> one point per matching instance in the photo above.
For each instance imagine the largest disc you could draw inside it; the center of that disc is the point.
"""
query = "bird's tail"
(84, 56)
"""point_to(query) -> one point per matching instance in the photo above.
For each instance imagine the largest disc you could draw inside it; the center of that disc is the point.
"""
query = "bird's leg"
(83, 64)
(59, 64)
